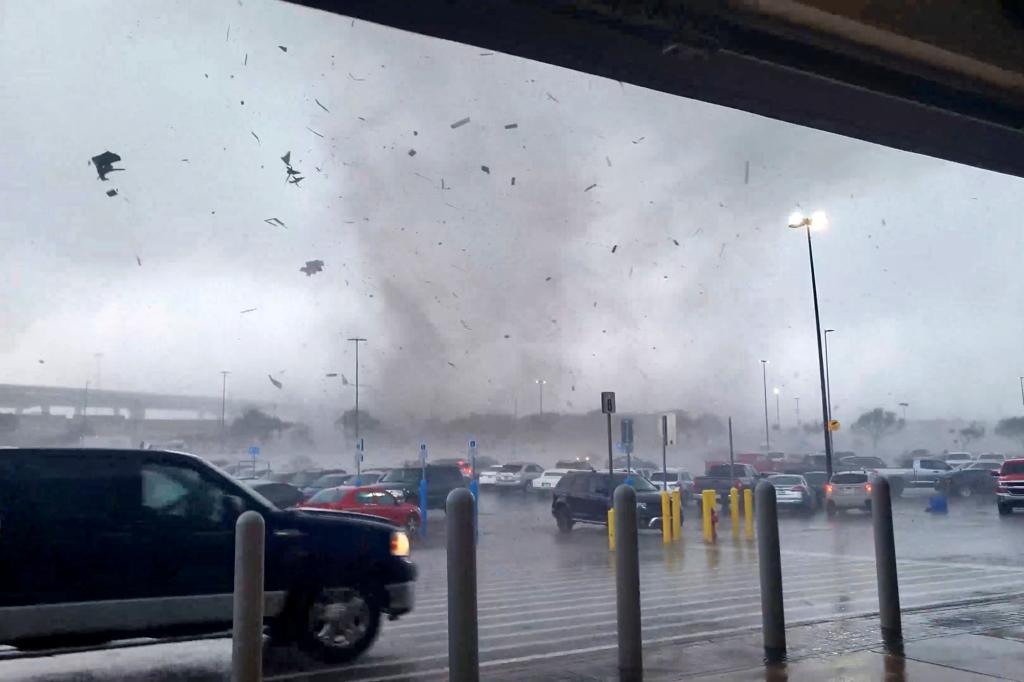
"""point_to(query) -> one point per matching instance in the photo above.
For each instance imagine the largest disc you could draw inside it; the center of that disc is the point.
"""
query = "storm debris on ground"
(464, 325)
(112, 192)
(312, 267)
(276, 221)
(248, 310)
(547, 279)
(321, 105)
(485, 169)
(590, 187)
(461, 122)
(277, 384)
(105, 164)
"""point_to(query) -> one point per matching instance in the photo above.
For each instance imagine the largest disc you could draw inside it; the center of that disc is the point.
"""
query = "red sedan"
(372, 500)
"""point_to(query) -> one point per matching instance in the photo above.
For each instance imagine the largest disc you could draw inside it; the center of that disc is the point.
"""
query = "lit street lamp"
(818, 220)
(540, 388)
(764, 382)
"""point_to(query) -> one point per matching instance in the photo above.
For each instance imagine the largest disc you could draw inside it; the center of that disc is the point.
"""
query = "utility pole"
(797, 399)
(778, 411)
(540, 386)
(764, 380)
(223, 405)
(357, 341)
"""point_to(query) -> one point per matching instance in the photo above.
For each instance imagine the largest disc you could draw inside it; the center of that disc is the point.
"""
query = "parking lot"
(547, 598)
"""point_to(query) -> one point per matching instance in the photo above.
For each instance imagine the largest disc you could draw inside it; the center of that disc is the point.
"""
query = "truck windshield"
(724, 471)
(1010, 468)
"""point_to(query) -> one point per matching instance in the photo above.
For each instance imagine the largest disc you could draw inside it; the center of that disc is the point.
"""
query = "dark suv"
(404, 483)
(583, 497)
(106, 544)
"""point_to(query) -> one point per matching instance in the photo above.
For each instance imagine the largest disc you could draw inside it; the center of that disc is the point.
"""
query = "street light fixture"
(817, 220)
(540, 388)
(764, 383)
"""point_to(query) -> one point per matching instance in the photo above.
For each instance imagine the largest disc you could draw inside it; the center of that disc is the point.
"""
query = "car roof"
(124, 452)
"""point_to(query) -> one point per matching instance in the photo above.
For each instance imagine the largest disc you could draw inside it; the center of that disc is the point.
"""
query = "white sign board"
(671, 428)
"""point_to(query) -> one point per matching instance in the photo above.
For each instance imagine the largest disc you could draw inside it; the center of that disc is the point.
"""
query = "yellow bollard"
(677, 514)
(611, 530)
(748, 512)
(666, 518)
(708, 498)
(734, 511)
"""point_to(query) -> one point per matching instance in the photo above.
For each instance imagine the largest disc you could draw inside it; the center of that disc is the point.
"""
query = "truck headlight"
(399, 543)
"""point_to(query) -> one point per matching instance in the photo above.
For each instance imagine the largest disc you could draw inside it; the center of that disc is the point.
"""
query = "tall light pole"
(540, 387)
(828, 378)
(778, 415)
(764, 381)
(1022, 390)
(85, 414)
(818, 219)
(797, 399)
(223, 405)
(357, 341)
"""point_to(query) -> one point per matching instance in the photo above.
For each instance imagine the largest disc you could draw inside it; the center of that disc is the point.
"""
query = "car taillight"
(799, 489)
(399, 543)
(738, 484)
(828, 487)
(867, 487)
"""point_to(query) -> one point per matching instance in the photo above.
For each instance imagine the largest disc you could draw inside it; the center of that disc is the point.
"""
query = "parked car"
(996, 457)
(861, 463)
(922, 473)
(973, 478)
(764, 462)
(724, 477)
(282, 495)
(112, 544)
(848, 490)
(326, 481)
(489, 475)
(792, 491)
(404, 483)
(465, 465)
(578, 464)
(817, 481)
(583, 497)
(547, 481)
(372, 500)
(517, 475)
(1010, 486)
(955, 459)
(677, 479)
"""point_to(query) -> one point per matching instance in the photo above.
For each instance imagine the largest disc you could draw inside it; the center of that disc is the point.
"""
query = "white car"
(549, 479)
(488, 476)
(848, 490)
(678, 479)
(517, 475)
(996, 457)
(955, 459)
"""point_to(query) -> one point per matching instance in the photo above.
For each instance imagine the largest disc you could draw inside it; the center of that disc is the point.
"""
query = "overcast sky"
(666, 281)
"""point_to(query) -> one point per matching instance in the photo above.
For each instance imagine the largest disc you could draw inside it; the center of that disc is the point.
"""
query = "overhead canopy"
(943, 79)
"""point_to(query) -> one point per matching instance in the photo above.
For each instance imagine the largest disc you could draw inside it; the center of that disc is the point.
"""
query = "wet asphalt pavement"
(546, 598)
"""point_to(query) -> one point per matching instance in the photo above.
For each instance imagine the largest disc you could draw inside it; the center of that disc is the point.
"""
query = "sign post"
(254, 451)
(423, 489)
(608, 407)
(627, 444)
(360, 446)
(474, 487)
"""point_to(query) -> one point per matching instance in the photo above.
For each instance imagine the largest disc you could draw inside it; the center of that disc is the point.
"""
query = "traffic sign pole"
(423, 489)
(474, 487)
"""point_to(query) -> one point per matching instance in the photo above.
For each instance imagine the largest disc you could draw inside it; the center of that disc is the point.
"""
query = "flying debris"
(485, 169)
(676, 242)
(451, 363)
(321, 105)
(277, 384)
(461, 122)
(613, 251)
(590, 187)
(42, 362)
(275, 221)
(248, 310)
(344, 380)
(412, 152)
(551, 97)
(105, 163)
(639, 140)
(111, 192)
(312, 267)
(331, 375)
(511, 126)
(282, 48)
(256, 136)
(313, 131)
(513, 181)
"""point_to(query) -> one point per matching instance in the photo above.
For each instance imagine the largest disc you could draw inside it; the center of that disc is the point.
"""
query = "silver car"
(848, 490)
(517, 475)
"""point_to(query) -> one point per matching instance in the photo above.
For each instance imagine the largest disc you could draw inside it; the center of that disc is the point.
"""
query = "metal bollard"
(885, 566)
(708, 499)
(773, 619)
(474, 488)
(247, 614)
(666, 518)
(611, 530)
(627, 584)
(677, 514)
(463, 640)
(748, 512)
(734, 511)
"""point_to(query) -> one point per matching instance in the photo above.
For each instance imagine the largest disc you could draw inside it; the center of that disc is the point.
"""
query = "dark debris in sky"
(331, 375)
(312, 267)
(105, 163)
(614, 248)
(485, 169)
(276, 221)
(139, 261)
(321, 105)
(248, 310)
(313, 131)
(590, 187)
(277, 384)
(111, 192)
(461, 122)
(412, 152)
(282, 48)
(511, 126)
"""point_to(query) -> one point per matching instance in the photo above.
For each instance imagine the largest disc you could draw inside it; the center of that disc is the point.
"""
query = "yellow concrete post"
(611, 530)
(734, 511)
(748, 512)
(677, 514)
(708, 510)
(666, 518)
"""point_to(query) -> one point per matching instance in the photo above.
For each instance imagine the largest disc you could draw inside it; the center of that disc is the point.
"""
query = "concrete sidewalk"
(981, 640)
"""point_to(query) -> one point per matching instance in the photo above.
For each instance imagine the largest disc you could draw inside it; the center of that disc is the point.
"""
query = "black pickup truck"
(107, 544)
(722, 478)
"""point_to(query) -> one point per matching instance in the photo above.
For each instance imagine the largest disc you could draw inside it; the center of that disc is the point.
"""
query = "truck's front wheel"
(338, 624)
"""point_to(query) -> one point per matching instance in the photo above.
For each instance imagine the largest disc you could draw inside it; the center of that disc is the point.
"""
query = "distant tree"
(256, 425)
(972, 432)
(877, 424)
(347, 422)
(1011, 427)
